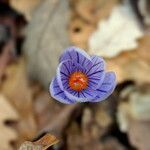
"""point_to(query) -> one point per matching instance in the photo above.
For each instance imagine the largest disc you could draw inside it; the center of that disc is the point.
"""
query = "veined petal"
(81, 96)
(96, 72)
(64, 70)
(107, 87)
(58, 94)
(77, 55)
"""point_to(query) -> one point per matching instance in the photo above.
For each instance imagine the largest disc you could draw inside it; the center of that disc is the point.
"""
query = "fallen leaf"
(16, 88)
(42, 144)
(116, 34)
(7, 134)
(134, 65)
(46, 38)
(46, 141)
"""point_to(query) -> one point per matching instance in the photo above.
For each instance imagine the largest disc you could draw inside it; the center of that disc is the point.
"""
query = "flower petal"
(107, 87)
(82, 96)
(64, 70)
(96, 72)
(58, 94)
(77, 55)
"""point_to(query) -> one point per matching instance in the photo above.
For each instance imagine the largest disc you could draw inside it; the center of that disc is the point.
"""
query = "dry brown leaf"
(46, 38)
(42, 144)
(16, 89)
(7, 134)
(133, 65)
(47, 141)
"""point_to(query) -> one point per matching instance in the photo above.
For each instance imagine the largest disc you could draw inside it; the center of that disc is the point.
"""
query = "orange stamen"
(78, 81)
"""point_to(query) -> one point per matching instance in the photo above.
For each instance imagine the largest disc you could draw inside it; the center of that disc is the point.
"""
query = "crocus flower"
(81, 78)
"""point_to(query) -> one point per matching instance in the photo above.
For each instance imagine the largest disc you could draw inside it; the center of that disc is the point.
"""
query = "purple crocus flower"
(81, 78)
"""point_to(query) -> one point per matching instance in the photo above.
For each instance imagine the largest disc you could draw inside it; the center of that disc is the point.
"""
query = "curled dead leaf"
(42, 144)
(16, 88)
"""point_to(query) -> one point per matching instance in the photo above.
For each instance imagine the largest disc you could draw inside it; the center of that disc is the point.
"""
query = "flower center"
(78, 81)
